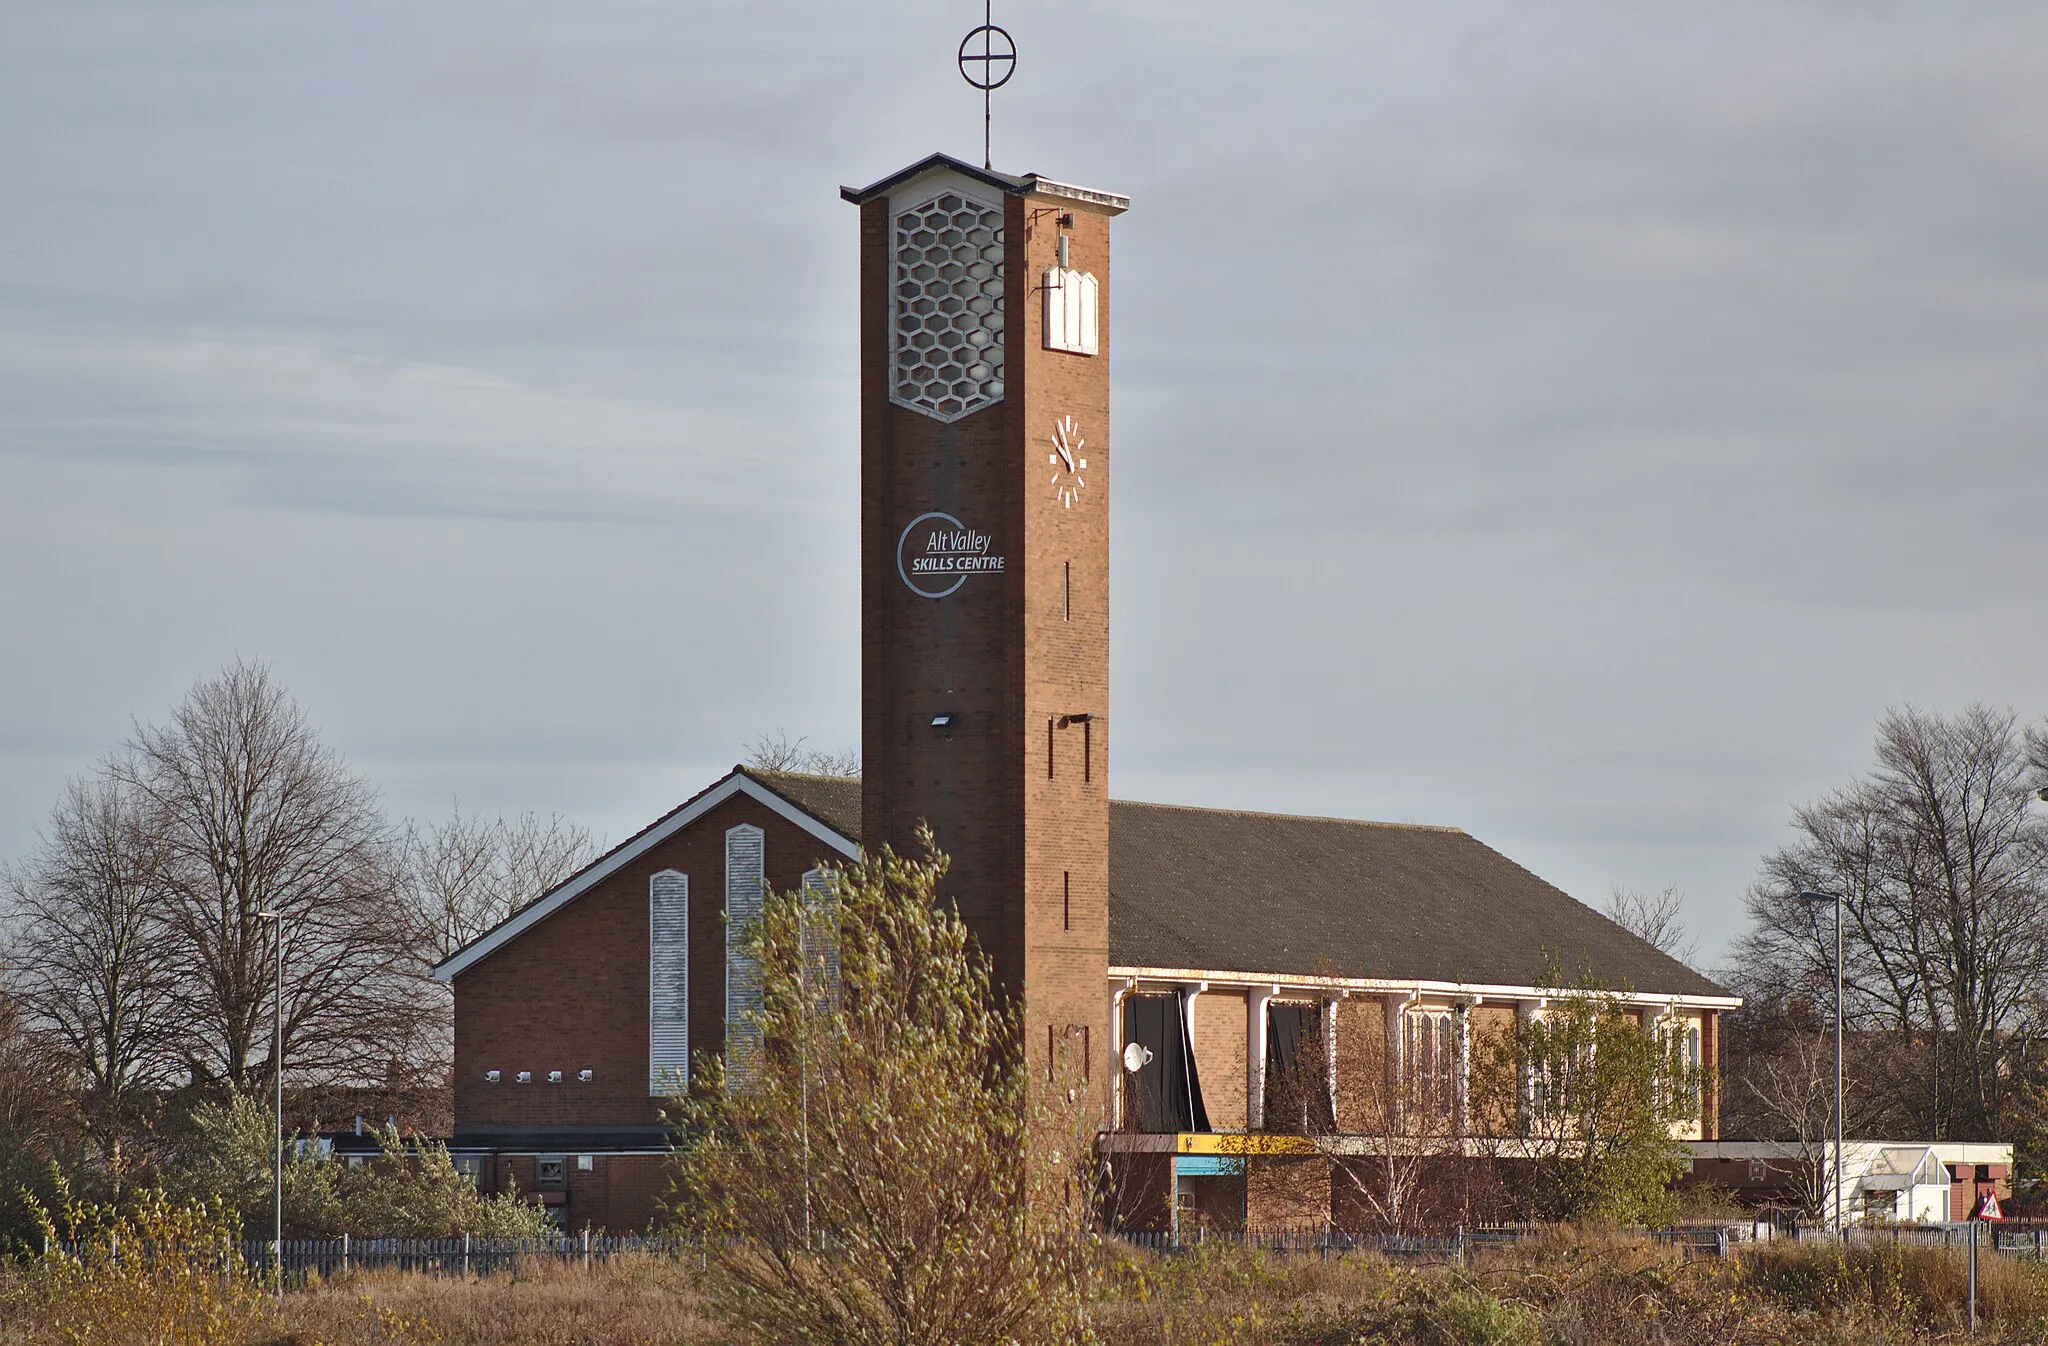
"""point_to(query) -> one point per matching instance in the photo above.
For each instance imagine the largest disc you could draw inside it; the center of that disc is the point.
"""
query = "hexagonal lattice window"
(947, 354)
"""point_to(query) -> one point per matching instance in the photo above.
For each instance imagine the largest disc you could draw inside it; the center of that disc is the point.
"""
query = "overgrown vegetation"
(156, 1271)
(1580, 1101)
(412, 1191)
(874, 1163)
(1575, 1285)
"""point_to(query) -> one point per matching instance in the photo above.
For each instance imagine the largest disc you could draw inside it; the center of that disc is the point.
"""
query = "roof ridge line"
(1300, 817)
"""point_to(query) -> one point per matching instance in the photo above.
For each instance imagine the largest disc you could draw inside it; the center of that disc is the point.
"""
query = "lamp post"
(1835, 898)
(276, 919)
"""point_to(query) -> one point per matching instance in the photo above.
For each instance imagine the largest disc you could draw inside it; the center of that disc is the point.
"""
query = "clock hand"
(1060, 447)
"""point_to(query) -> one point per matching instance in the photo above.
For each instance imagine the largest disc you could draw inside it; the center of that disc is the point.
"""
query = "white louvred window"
(821, 940)
(1070, 311)
(668, 983)
(745, 883)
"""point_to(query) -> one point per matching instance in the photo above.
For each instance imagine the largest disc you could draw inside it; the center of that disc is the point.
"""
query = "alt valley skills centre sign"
(937, 553)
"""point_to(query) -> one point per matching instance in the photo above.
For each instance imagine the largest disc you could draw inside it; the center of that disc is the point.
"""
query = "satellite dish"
(1136, 1057)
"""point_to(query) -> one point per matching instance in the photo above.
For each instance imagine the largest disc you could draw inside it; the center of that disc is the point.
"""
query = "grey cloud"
(1581, 418)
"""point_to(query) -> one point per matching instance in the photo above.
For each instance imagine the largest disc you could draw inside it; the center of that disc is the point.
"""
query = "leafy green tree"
(884, 1168)
(1585, 1096)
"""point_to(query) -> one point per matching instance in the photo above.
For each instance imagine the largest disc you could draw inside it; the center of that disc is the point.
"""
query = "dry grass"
(1570, 1288)
(634, 1301)
(1575, 1287)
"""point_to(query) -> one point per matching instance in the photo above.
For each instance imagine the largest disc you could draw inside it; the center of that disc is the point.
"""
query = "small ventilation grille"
(948, 349)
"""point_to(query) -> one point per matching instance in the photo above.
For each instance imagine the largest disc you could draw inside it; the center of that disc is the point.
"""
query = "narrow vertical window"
(1087, 749)
(1067, 594)
(745, 877)
(821, 941)
(668, 983)
(1049, 726)
(1066, 899)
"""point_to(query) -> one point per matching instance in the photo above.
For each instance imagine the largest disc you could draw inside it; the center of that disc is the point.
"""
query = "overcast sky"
(1574, 422)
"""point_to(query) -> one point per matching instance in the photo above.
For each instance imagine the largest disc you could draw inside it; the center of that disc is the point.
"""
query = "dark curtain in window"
(1297, 1083)
(1163, 1094)
(1198, 1113)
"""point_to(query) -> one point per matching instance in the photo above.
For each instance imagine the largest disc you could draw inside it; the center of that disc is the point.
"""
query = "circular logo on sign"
(937, 553)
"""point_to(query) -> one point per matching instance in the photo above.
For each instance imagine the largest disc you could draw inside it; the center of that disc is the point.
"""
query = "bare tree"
(91, 956)
(1414, 1175)
(251, 814)
(1778, 1083)
(778, 752)
(1944, 875)
(1654, 918)
(463, 876)
(37, 1119)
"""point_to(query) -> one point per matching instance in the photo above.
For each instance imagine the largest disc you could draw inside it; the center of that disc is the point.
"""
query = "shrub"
(881, 1168)
(413, 1190)
(159, 1271)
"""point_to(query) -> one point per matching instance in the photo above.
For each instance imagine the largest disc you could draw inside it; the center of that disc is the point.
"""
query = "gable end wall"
(571, 993)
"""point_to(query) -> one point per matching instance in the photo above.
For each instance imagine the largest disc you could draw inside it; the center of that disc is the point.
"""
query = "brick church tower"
(985, 455)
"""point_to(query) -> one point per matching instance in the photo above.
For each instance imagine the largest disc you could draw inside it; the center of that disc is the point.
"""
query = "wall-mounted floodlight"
(585, 1075)
(525, 1077)
(554, 1077)
(943, 720)
(490, 1077)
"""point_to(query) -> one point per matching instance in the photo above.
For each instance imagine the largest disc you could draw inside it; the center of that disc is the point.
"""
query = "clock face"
(1066, 461)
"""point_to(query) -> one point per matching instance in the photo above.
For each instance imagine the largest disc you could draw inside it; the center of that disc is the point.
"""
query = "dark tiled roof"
(832, 800)
(1222, 891)
(1260, 892)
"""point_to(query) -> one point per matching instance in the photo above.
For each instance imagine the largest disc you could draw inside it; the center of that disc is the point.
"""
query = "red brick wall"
(1005, 654)
(1287, 1193)
(571, 993)
(1365, 1094)
(1218, 1033)
(1140, 1191)
(621, 1193)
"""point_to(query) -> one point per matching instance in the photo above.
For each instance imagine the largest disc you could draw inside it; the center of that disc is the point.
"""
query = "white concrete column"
(1329, 1026)
(1255, 1055)
(1462, 1090)
(1116, 1056)
(1396, 1007)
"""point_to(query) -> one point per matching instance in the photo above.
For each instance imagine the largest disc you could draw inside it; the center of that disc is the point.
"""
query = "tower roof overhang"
(1013, 184)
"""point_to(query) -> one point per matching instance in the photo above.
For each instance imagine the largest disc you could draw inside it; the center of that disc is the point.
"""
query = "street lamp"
(276, 918)
(1835, 898)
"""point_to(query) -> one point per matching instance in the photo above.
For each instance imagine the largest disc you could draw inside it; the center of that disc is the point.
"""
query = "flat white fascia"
(1853, 1151)
(735, 784)
(1114, 202)
(1267, 981)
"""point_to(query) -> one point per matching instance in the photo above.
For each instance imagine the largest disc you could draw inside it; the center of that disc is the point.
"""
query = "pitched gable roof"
(738, 781)
(832, 800)
(1219, 890)
(1113, 202)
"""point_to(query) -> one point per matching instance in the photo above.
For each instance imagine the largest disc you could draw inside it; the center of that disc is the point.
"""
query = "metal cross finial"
(997, 60)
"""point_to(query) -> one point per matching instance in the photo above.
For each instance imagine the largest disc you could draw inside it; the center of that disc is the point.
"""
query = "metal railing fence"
(325, 1259)
(305, 1260)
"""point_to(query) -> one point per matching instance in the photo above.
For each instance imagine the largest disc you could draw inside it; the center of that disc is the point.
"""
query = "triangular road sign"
(1987, 1208)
